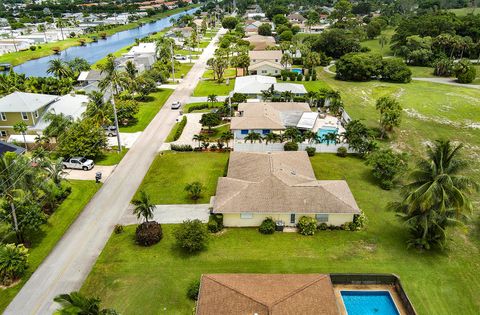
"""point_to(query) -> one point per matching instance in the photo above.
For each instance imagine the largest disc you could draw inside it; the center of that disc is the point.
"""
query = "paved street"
(70, 262)
(170, 214)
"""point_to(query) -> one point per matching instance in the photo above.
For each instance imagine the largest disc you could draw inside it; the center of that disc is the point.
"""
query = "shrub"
(359, 221)
(33, 48)
(465, 71)
(311, 151)
(191, 236)
(267, 226)
(314, 75)
(348, 226)
(342, 152)
(181, 147)
(118, 229)
(13, 262)
(387, 166)
(292, 76)
(307, 77)
(180, 127)
(299, 77)
(307, 225)
(323, 226)
(148, 233)
(215, 223)
(358, 67)
(395, 70)
(290, 146)
(193, 290)
(197, 107)
(194, 190)
(443, 67)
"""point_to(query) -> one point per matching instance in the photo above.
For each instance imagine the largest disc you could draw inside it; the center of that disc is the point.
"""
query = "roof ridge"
(237, 192)
(328, 191)
(241, 293)
(321, 277)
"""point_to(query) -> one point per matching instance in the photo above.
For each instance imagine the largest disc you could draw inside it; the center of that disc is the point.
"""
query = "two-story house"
(265, 62)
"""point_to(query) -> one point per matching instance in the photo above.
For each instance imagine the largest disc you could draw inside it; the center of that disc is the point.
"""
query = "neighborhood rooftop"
(255, 84)
(262, 294)
(279, 182)
(24, 102)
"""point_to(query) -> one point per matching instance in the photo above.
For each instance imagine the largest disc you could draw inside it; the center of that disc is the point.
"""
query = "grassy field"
(375, 46)
(148, 110)
(17, 58)
(45, 240)
(207, 87)
(464, 11)
(111, 157)
(171, 171)
(138, 280)
(427, 72)
(181, 69)
(217, 132)
(229, 73)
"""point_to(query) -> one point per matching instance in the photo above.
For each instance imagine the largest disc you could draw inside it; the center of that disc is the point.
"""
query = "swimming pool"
(296, 70)
(324, 131)
(369, 303)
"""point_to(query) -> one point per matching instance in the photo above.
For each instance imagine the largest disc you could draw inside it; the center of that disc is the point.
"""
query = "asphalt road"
(70, 262)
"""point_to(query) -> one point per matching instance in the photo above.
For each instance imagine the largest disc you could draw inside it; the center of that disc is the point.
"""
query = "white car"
(78, 163)
(176, 105)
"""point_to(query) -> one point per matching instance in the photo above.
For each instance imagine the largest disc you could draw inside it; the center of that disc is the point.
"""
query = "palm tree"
(112, 78)
(131, 69)
(212, 98)
(55, 170)
(310, 136)
(227, 136)
(271, 138)
(286, 60)
(76, 303)
(438, 195)
(194, 189)
(293, 134)
(143, 206)
(200, 138)
(98, 110)
(253, 136)
(22, 128)
(59, 69)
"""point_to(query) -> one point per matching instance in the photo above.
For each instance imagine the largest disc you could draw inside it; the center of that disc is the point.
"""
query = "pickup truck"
(79, 163)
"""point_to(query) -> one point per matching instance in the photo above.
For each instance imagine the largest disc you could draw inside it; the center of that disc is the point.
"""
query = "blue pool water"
(369, 303)
(325, 130)
(297, 70)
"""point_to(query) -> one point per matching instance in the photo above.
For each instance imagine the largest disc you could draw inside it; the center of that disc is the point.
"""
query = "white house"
(265, 62)
(11, 45)
(253, 85)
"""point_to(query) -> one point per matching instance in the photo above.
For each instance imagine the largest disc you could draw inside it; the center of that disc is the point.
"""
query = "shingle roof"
(25, 102)
(255, 84)
(279, 182)
(10, 147)
(266, 115)
(262, 63)
(265, 54)
(266, 294)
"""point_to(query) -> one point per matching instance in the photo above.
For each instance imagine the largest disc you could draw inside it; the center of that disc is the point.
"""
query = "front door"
(292, 218)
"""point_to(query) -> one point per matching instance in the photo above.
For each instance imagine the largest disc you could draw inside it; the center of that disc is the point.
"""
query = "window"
(36, 114)
(3, 116)
(24, 116)
(246, 215)
(265, 131)
(264, 71)
(244, 132)
(276, 60)
(3, 133)
(321, 217)
(292, 218)
(276, 71)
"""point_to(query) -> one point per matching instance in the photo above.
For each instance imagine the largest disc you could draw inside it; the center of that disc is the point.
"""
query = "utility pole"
(173, 62)
(116, 121)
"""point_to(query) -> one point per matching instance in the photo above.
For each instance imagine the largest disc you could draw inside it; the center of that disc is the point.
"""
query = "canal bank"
(146, 26)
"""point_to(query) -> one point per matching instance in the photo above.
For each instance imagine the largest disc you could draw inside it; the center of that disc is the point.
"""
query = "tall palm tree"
(438, 195)
(271, 137)
(76, 303)
(22, 128)
(97, 109)
(252, 137)
(55, 171)
(131, 69)
(212, 98)
(226, 137)
(59, 69)
(310, 136)
(200, 138)
(143, 206)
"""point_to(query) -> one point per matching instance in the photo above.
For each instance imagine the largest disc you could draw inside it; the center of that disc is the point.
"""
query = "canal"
(95, 51)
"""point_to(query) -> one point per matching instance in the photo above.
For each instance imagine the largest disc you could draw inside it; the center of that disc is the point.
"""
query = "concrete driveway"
(90, 175)
(171, 214)
(193, 127)
(127, 139)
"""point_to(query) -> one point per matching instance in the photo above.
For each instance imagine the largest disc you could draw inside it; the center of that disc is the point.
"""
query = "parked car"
(78, 163)
(180, 57)
(110, 131)
(176, 105)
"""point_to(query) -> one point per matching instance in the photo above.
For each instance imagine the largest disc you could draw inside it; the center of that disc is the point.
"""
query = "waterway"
(95, 51)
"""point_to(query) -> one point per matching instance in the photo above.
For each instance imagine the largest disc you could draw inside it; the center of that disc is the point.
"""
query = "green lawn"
(187, 107)
(171, 171)
(203, 44)
(229, 73)
(427, 72)
(148, 110)
(217, 132)
(464, 11)
(182, 69)
(375, 46)
(111, 157)
(138, 280)
(207, 87)
(171, 135)
(45, 240)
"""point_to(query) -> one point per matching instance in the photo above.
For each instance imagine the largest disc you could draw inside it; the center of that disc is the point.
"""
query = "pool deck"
(367, 287)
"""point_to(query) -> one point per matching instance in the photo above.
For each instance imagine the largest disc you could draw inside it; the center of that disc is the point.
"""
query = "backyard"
(437, 283)
(148, 110)
(171, 171)
(45, 240)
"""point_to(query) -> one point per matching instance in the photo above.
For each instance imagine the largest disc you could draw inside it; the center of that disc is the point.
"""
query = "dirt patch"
(467, 124)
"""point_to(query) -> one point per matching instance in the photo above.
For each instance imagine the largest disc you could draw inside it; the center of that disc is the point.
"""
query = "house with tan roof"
(265, 62)
(296, 18)
(266, 294)
(266, 117)
(259, 42)
(280, 185)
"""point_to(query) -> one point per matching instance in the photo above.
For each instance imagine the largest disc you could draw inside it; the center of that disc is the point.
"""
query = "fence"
(275, 147)
(389, 279)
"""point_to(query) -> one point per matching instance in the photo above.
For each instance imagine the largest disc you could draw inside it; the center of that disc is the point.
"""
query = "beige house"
(280, 185)
(259, 42)
(265, 62)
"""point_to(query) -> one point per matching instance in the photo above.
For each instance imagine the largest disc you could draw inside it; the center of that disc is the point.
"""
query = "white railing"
(275, 147)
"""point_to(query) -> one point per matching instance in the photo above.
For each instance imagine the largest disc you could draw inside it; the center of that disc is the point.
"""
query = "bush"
(290, 146)
(267, 226)
(193, 290)
(348, 226)
(387, 166)
(307, 77)
(180, 127)
(311, 151)
(358, 67)
(314, 75)
(13, 263)
(33, 48)
(299, 77)
(443, 67)
(323, 226)
(181, 147)
(215, 223)
(359, 221)
(465, 71)
(191, 236)
(395, 70)
(118, 229)
(342, 152)
(307, 225)
(292, 76)
(197, 107)
(148, 233)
